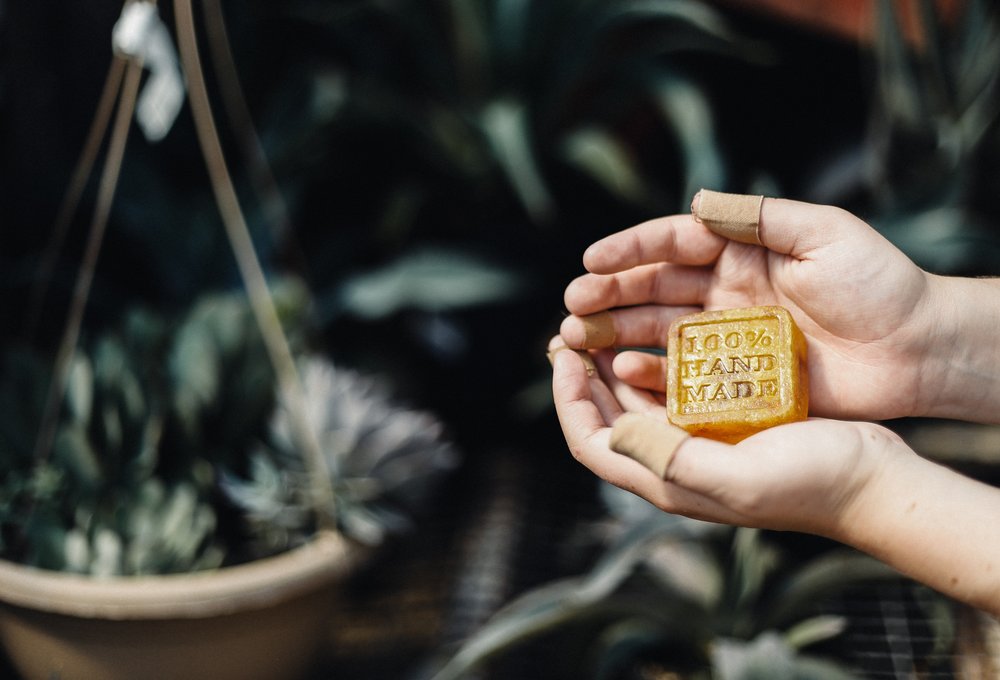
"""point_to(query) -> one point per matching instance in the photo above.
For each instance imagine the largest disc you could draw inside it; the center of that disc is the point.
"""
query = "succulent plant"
(161, 416)
(383, 459)
(112, 497)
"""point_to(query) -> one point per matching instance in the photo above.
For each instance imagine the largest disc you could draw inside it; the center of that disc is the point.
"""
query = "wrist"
(879, 459)
(929, 523)
(935, 331)
(957, 351)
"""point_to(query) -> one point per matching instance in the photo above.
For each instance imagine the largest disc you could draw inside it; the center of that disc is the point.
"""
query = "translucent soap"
(735, 372)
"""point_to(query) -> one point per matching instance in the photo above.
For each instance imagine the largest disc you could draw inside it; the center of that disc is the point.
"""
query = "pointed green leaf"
(74, 452)
(506, 126)
(688, 112)
(598, 154)
(753, 561)
(821, 578)
(195, 368)
(813, 630)
(430, 279)
(565, 600)
(80, 389)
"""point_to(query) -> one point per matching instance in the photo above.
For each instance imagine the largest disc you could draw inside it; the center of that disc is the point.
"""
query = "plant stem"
(259, 294)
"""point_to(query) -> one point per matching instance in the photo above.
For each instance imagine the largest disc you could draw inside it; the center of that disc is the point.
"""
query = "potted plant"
(174, 514)
(182, 492)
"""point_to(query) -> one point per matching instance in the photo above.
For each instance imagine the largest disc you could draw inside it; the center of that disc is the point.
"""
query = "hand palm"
(855, 330)
(759, 482)
(855, 297)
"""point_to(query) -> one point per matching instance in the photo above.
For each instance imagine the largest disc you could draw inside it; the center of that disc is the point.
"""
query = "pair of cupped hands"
(872, 320)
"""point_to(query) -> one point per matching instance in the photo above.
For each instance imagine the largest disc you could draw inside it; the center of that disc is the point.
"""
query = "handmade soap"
(735, 372)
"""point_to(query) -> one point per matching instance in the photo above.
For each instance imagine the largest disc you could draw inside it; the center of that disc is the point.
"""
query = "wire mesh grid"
(510, 533)
(894, 634)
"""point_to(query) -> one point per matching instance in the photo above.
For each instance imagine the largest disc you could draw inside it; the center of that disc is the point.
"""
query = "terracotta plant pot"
(266, 619)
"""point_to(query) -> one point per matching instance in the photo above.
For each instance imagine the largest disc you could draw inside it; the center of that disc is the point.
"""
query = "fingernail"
(588, 361)
(695, 200)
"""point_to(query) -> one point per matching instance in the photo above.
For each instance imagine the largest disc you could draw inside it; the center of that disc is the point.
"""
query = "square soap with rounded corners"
(732, 373)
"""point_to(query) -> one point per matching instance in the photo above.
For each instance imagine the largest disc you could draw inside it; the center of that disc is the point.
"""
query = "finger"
(642, 326)
(799, 229)
(650, 441)
(698, 465)
(589, 441)
(677, 238)
(734, 216)
(736, 478)
(705, 479)
(576, 372)
(587, 431)
(642, 370)
(606, 401)
(782, 225)
(627, 396)
(664, 283)
(584, 425)
(655, 444)
(557, 344)
(588, 438)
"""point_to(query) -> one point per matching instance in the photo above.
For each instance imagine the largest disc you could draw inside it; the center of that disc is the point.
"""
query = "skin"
(886, 340)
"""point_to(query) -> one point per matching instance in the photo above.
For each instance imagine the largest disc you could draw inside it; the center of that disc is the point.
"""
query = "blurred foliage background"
(441, 166)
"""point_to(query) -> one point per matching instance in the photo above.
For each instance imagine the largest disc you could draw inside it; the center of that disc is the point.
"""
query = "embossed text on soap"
(728, 366)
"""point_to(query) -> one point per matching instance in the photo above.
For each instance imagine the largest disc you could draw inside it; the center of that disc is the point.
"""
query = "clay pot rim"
(255, 585)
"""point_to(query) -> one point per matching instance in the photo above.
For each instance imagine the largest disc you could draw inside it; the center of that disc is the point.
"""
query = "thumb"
(788, 227)
(649, 441)
(656, 444)
(795, 228)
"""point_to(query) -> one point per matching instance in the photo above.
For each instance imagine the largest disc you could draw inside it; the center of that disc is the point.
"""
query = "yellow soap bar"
(735, 372)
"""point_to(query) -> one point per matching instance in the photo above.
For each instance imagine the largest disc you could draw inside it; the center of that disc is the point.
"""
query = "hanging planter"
(266, 619)
(186, 504)
(114, 569)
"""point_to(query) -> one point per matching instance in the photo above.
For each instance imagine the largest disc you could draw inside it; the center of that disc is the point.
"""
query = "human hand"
(802, 476)
(865, 308)
(855, 482)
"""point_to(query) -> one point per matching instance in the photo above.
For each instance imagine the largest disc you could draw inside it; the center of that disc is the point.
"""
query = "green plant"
(138, 427)
(104, 490)
(501, 93)
(676, 596)
(495, 127)
(159, 421)
(384, 460)
(476, 148)
(927, 168)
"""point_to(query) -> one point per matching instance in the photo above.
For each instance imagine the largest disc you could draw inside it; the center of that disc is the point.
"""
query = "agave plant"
(499, 93)
(928, 166)
(672, 597)
(490, 126)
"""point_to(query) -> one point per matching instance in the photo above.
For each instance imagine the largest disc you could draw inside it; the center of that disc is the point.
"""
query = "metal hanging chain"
(85, 276)
(261, 303)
